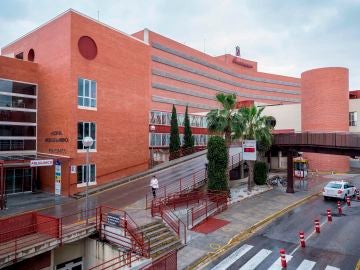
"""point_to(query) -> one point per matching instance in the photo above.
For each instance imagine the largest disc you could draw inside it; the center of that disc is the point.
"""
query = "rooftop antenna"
(237, 51)
(98, 13)
(204, 44)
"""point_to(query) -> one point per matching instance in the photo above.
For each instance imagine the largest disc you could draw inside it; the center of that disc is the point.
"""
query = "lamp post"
(87, 142)
(152, 129)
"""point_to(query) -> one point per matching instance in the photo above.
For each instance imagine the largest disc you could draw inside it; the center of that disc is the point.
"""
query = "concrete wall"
(288, 116)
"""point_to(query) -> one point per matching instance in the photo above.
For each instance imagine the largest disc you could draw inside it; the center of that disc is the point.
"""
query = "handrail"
(123, 260)
(167, 262)
(174, 222)
(130, 227)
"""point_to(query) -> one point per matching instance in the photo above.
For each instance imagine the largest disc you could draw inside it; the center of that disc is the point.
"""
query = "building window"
(86, 93)
(86, 129)
(82, 172)
(353, 119)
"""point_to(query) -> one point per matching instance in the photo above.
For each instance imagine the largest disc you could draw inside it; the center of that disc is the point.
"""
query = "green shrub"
(217, 166)
(260, 172)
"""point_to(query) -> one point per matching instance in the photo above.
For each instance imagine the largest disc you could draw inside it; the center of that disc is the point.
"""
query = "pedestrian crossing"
(247, 258)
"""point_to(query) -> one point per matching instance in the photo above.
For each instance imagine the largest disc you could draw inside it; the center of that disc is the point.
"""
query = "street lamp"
(87, 142)
(152, 129)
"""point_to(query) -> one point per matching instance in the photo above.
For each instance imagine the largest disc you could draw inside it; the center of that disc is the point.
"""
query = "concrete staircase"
(162, 239)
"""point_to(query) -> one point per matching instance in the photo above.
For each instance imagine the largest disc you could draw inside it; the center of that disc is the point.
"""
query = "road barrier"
(329, 216)
(283, 258)
(302, 239)
(339, 208)
(317, 226)
(348, 201)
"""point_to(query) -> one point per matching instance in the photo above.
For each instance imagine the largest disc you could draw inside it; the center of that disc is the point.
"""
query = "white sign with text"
(249, 149)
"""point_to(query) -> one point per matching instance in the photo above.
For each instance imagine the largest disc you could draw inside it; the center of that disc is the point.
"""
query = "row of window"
(164, 118)
(82, 174)
(163, 139)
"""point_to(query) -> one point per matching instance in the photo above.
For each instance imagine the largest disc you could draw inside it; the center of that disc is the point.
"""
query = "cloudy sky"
(285, 37)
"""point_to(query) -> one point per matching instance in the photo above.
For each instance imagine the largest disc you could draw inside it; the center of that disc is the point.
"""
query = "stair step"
(156, 232)
(163, 241)
(160, 236)
(166, 248)
(151, 228)
(150, 224)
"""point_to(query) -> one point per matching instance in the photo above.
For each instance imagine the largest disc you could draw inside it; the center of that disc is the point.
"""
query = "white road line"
(277, 264)
(229, 260)
(307, 238)
(306, 265)
(329, 267)
(256, 260)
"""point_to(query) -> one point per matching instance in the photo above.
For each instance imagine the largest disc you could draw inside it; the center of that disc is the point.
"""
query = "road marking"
(256, 260)
(214, 246)
(307, 238)
(329, 267)
(277, 264)
(306, 265)
(232, 257)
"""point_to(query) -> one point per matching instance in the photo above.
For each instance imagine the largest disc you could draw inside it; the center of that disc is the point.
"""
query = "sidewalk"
(245, 214)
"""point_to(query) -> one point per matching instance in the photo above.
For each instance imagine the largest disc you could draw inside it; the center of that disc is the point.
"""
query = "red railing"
(185, 184)
(125, 259)
(215, 203)
(174, 222)
(140, 243)
(166, 262)
(43, 229)
(185, 151)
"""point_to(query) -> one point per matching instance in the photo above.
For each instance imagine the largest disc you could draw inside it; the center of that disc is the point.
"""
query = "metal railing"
(140, 243)
(125, 259)
(216, 202)
(166, 262)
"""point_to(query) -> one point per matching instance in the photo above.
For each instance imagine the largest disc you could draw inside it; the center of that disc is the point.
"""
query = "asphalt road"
(337, 245)
(129, 193)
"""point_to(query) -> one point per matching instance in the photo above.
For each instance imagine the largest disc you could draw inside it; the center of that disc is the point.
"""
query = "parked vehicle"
(339, 190)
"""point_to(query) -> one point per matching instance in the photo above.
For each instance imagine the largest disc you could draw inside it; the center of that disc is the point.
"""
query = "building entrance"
(18, 180)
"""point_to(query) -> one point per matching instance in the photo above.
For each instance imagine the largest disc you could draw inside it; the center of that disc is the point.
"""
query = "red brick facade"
(325, 107)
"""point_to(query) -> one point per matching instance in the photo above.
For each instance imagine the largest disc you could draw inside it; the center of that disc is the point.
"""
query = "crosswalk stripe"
(329, 267)
(256, 260)
(233, 257)
(306, 265)
(277, 264)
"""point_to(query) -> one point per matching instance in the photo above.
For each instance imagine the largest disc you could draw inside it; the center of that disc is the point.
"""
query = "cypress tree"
(174, 145)
(188, 137)
(217, 167)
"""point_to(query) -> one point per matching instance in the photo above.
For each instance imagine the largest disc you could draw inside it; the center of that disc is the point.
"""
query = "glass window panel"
(158, 118)
(13, 116)
(79, 174)
(28, 131)
(80, 87)
(152, 117)
(93, 89)
(93, 131)
(86, 102)
(86, 129)
(93, 103)
(80, 131)
(17, 87)
(80, 145)
(86, 88)
(92, 174)
(80, 101)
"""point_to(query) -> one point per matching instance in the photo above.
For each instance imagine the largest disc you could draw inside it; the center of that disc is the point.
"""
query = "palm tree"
(255, 127)
(225, 121)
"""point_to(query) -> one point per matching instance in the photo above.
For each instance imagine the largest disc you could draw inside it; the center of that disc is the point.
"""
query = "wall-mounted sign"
(57, 136)
(113, 219)
(73, 168)
(249, 150)
(57, 178)
(41, 162)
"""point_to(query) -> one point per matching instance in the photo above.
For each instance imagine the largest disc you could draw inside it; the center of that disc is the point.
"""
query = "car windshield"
(333, 185)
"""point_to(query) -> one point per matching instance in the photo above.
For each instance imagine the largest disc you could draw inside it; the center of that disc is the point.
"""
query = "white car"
(339, 190)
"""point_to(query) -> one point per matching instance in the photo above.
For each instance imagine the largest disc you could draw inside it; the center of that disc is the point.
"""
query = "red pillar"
(290, 170)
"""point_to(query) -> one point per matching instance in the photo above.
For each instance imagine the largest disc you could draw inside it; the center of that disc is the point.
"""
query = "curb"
(206, 259)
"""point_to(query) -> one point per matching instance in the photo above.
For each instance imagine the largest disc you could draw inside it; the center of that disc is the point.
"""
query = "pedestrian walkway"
(248, 257)
(244, 215)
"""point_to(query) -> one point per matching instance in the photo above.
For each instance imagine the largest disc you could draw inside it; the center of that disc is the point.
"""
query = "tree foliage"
(188, 137)
(217, 166)
(260, 172)
(255, 127)
(174, 145)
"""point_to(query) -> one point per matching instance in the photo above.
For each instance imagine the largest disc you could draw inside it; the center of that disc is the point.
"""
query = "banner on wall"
(57, 177)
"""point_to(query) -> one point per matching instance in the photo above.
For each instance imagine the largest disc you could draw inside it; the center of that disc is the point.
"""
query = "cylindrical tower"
(325, 107)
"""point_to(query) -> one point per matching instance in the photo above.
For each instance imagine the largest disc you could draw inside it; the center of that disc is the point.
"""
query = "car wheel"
(325, 198)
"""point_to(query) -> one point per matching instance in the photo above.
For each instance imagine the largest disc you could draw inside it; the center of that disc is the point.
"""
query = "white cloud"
(286, 37)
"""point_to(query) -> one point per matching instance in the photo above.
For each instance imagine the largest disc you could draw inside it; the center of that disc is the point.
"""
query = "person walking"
(154, 184)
